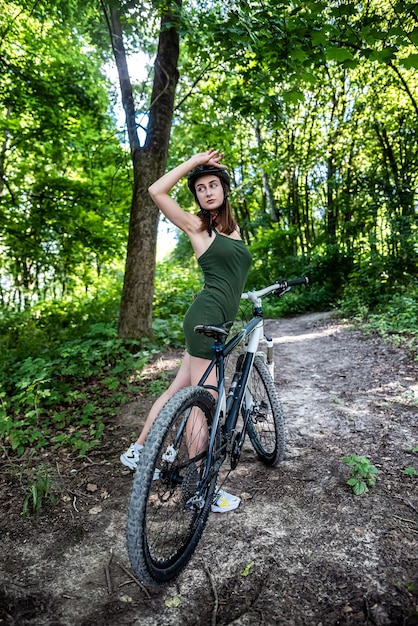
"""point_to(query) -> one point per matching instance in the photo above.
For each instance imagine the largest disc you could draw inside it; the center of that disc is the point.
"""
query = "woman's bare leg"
(190, 372)
(197, 427)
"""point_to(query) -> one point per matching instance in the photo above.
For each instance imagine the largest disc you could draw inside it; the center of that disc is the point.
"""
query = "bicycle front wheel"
(265, 426)
(169, 505)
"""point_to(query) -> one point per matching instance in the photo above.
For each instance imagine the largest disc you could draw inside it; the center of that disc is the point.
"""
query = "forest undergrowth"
(65, 373)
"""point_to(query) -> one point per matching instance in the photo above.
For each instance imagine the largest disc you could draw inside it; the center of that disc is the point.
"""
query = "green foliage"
(372, 281)
(299, 300)
(40, 491)
(327, 271)
(158, 386)
(319, 137)
(63, 375)
(330, 269)
(362, 473)
(334, 163)
(64, 178)
(394, 317)
(399, 314)
(176, 284)
(65, 371)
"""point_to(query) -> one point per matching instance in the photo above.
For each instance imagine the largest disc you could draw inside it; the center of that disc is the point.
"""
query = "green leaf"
(351, 63)
(410, 471)
(413, 36)
(347, 9)
(293, 96)
(298, 54)
(411, 61)
(385, 55)
(247, 569)
(360, 488)
(319, 38)
(338, 54)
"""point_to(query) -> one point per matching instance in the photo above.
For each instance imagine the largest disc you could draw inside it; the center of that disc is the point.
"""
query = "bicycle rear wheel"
(265, 426)
(169, 505)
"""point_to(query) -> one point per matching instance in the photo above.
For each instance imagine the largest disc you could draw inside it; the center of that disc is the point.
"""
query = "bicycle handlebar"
(278, 289)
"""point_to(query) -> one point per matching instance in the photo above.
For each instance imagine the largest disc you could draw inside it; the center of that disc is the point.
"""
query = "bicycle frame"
(228, 412)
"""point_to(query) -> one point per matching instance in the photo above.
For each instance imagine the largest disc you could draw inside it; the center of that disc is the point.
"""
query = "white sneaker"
(130, 459)
(224, 502)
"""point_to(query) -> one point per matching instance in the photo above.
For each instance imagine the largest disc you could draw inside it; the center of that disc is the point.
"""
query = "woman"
(224, 260)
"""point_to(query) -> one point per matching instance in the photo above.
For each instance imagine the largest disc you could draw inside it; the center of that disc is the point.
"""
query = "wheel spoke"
(266, 425)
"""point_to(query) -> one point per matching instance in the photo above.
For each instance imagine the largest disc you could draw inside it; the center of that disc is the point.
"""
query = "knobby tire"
(163, 527)
(265, 427)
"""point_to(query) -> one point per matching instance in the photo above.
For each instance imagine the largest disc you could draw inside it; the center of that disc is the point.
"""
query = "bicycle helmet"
(202, 170)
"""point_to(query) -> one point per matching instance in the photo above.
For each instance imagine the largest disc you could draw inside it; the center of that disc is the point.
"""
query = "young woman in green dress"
(224, 260)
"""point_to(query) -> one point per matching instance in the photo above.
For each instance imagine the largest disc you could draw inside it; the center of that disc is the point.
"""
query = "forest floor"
(301, 550)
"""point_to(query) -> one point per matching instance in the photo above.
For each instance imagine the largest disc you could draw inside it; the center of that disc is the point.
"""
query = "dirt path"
(320, 555)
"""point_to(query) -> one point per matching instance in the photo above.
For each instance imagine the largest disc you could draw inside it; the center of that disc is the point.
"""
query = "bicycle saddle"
(217, 332)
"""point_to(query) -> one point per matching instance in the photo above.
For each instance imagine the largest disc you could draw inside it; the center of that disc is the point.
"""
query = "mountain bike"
(197, 430)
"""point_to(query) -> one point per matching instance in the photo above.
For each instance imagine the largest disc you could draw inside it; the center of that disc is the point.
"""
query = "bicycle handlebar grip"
(298, 281)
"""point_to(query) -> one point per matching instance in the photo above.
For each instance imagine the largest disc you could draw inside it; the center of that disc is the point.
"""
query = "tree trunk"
(149, 162)
(271, 201)
(331, 202)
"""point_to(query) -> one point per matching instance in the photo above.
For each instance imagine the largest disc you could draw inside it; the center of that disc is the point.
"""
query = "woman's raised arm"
(160, 190)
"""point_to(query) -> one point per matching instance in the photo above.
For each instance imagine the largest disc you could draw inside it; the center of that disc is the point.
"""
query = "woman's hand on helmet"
(210, 157)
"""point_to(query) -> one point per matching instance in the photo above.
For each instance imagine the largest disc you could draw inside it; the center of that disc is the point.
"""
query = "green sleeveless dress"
(225, 266)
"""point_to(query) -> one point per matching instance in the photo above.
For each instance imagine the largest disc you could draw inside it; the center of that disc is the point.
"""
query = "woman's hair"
(224, 218)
